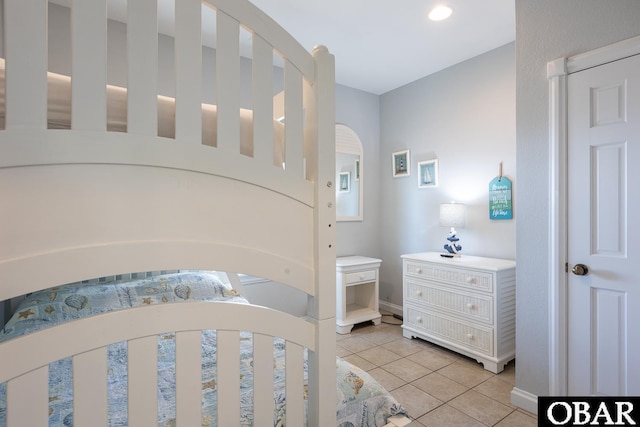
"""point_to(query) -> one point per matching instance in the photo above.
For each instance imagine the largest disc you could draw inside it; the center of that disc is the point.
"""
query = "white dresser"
(356, 292)
(465, 304)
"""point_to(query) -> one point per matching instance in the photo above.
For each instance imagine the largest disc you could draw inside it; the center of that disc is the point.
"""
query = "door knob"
(580, 270)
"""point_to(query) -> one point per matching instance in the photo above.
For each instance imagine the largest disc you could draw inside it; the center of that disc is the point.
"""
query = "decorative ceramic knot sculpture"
(453, 247)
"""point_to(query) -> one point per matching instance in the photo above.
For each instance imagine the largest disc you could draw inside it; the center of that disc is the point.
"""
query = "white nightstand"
(356, 292)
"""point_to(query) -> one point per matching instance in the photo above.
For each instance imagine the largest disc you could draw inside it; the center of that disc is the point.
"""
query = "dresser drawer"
(475, 337)
(470, 306)
(469, 279)
(361, 276)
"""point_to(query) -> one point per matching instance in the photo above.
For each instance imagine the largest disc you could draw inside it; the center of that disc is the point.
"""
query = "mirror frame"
(348, 142)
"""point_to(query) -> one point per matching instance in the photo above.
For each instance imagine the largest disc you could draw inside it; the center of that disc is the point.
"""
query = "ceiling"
(380, 45)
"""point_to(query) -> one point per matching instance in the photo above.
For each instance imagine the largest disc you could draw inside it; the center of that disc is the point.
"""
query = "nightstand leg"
(342, 330)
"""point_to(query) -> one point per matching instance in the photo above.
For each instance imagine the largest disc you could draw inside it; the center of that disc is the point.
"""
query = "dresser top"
(470, 261)
(350, 261)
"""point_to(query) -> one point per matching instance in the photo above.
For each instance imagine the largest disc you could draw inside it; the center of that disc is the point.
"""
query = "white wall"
(546, 30)
(463, 116)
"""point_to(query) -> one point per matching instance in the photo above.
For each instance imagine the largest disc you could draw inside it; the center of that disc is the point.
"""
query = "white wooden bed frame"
(85, 203)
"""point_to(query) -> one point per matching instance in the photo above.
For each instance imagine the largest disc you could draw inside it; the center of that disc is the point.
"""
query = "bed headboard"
(86, 202)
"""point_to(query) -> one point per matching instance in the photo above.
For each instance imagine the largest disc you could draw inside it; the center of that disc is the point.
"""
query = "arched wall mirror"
(349, 175)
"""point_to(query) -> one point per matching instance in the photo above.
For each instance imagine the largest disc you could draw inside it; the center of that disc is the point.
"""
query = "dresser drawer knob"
(419, 319)
(419, 270)
(362, 277)
(470, 336)
(419, 293)
(470, 280)
(470, 306)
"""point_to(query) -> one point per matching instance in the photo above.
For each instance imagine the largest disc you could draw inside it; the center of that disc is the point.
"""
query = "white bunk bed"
(94, 200)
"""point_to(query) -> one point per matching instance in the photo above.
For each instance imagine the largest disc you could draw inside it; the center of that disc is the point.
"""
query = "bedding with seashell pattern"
(361, 400)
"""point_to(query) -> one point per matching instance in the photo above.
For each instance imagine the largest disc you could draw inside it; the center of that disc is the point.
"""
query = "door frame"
(557, 72)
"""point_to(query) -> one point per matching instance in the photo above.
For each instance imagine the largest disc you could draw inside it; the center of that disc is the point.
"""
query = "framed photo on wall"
(401, 164)
(428, 174)
(345, 182)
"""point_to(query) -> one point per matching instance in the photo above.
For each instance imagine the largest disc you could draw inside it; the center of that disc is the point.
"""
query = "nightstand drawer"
(454, 275)
(472, 337)
(470, 306)
(361, 276)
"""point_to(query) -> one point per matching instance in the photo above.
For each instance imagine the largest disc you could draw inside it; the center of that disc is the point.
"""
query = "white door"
(604, 230)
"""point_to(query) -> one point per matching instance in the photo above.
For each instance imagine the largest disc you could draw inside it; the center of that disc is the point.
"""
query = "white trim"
(557, 67)
(557, 72)
(557, 237)
(613, 52)
(525, 400)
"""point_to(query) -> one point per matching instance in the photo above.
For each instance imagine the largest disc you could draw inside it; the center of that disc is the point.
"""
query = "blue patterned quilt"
(361, 400)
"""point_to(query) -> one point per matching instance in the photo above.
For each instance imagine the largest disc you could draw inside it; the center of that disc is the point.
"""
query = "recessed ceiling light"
(439, 13)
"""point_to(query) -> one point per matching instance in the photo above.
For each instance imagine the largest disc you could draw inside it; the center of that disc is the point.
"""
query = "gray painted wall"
(361, 112)
(463, 116)
(546, 30)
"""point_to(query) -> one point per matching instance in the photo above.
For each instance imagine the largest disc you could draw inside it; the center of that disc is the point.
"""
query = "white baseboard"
(525, 400)
(392, 308)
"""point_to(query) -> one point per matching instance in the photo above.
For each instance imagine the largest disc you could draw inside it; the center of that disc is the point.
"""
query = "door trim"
(557, 72)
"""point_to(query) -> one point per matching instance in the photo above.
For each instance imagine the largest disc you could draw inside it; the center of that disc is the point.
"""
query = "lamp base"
(453, 246)
(448, 255)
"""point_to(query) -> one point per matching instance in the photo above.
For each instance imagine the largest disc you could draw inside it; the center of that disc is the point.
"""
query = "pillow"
(180, 287)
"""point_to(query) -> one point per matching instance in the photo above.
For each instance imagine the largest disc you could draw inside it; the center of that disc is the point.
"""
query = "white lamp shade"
(452, 215)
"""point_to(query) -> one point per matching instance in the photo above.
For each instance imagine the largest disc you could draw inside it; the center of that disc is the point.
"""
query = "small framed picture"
(428, 174)
(401, 164)
(345, 182)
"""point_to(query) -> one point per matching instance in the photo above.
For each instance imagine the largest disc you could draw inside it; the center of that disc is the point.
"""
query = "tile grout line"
(377, 343)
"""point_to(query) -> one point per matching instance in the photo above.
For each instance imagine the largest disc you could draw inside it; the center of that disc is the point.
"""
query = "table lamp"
(452, 215)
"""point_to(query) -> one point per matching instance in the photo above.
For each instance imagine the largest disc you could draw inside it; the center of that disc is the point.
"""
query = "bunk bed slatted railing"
(26, 67)
(89, 391)
(85, 341)
(26, 99)
(263, 115)
(227, 82)
(89, 76)
(188, 35)
(25, 60)
(47, 241)
(142, 30)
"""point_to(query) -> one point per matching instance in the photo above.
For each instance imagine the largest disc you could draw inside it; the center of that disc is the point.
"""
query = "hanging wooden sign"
(500, 206)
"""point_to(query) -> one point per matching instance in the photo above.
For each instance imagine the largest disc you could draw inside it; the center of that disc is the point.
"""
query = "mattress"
(361, 401)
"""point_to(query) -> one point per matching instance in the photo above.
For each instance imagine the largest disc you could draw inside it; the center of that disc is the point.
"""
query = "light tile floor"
(436, 386)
